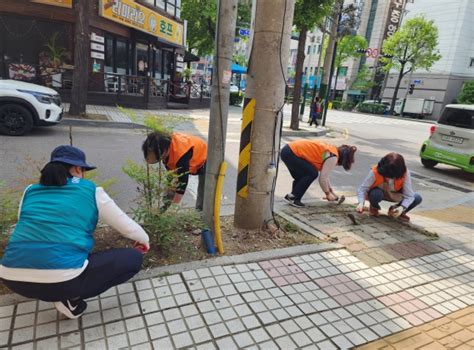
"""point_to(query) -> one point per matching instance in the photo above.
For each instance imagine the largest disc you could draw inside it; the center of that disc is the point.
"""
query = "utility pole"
(334, 31)
(81, 57)
(262, 114)
(221, 75)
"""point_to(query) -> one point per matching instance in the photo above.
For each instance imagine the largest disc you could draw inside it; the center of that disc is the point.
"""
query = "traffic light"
(411, 89)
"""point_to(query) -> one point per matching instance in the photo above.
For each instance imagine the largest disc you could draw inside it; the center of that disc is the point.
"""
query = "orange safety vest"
(379, 180)
(180, 145)
(314, 152)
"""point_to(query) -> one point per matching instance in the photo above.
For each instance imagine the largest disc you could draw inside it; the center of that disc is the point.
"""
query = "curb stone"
(9, 299)
(101, 124)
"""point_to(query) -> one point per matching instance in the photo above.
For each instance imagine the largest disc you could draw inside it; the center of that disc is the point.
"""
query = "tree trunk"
(300, 57)
(264, 96)
(397, 87)
(81, 58)
(329, 53)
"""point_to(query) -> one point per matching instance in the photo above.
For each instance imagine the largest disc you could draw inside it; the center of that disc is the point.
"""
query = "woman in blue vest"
(48, 256)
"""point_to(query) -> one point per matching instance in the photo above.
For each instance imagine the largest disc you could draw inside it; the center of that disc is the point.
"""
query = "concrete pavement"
(384, 284)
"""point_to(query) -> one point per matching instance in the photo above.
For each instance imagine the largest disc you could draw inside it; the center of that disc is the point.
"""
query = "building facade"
(443, 82)
(313, 50)
(136, 47)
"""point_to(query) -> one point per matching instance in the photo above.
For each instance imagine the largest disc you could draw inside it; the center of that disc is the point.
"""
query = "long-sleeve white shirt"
(407, 191)
(328, 166)
(110, 214)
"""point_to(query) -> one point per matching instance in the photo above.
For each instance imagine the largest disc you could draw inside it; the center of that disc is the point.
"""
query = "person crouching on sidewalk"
(48, 256)
(308, 159)
(182, 153)
(389, 180)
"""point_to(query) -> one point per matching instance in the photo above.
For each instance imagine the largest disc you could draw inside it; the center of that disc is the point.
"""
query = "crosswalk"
(342, 117)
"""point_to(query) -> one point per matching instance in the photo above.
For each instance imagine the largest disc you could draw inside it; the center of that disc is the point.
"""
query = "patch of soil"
(189, 247)
(88, 116)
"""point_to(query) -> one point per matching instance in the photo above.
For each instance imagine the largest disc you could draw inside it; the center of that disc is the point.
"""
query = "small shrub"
(154, 197)
(467, 94)
(373, 108)
(236, 98)
(342, 105)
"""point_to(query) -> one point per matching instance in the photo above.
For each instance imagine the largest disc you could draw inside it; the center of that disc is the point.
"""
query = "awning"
(235, 69)
(238, 69)
(189, 57)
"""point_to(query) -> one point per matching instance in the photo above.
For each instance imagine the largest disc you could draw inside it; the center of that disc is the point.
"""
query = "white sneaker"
(71, 308)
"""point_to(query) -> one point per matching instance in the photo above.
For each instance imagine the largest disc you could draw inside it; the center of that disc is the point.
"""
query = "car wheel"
(15, 120)
(428, 163)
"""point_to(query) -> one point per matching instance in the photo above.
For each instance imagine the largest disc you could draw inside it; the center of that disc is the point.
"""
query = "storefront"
(136, 47)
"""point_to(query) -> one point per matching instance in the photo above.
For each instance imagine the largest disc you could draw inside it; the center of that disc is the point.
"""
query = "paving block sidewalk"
(337, 298)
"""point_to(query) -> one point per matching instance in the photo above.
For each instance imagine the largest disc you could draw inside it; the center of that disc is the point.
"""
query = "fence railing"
(110, 83)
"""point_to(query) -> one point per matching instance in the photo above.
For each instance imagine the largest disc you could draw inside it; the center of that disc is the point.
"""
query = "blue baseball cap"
(70, 155)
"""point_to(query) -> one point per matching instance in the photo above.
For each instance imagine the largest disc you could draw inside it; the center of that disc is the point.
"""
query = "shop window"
(109, 55)
(24, 40)
(158, 61)
(167, 64)
(121, 58)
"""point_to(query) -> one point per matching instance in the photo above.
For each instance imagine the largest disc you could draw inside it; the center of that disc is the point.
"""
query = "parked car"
(387, 104)
(415, 107)
(25, 105)
(452, 139)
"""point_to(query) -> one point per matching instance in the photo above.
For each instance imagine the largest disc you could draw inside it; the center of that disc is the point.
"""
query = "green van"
(452, 139)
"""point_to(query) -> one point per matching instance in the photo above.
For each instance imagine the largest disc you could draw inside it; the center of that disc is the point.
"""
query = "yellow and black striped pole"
(245, 147)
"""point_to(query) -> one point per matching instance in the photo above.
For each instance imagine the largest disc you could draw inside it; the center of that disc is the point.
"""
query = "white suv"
(24, 105)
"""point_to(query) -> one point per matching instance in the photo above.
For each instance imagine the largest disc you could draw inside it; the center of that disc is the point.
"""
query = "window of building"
(342, 71)
(160, 4)
(121, 56)
(109, 55)
(168, 61)
(315, 48)
(308, 50)
(23, 41)
(305, 70)
(472, 62)
(158, 61)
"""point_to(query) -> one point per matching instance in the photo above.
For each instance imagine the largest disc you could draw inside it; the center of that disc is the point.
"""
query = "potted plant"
(51, 61)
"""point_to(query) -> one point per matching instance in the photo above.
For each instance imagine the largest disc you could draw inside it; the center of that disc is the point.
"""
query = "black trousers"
(105, 270)
(302, 172)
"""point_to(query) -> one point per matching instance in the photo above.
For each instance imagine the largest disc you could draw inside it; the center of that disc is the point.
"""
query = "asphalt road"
(109, 149)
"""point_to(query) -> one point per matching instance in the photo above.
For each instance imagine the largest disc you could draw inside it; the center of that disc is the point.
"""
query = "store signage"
(134, 15)
(97, 38)
(394, 17)
(97, 47)
(60, 3)
(98, 55)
